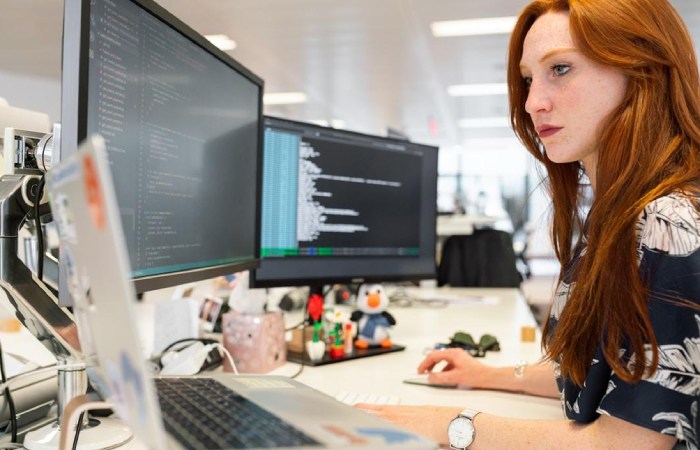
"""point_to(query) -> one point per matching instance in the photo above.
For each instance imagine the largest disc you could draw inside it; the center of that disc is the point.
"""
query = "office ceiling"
(371, 64)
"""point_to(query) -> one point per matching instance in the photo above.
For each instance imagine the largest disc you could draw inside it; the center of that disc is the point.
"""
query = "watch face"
(460, 432)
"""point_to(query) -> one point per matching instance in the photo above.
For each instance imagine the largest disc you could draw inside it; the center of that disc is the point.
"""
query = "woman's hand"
(428, 421)
(461, 368)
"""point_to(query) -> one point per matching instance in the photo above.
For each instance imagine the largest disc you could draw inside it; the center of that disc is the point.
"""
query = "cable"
(5, 386)
(301, 365)
(39, 232)
(185, 340)
(8, 396)
(158, 360)
(229, 358)
(78, 428)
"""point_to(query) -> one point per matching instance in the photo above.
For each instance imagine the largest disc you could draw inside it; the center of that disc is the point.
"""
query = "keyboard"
(202, 413)
(352, 398)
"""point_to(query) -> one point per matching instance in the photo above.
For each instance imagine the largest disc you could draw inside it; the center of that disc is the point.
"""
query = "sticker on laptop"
(128, 395)
(65, 220)
(389, 436)
(93, 191)
(364, 435)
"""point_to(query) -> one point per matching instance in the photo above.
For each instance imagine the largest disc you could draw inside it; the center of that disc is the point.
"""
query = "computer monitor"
(182, 124)
(344, 207)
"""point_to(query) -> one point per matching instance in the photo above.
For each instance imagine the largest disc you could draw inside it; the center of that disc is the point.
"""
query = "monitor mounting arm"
(34, 304)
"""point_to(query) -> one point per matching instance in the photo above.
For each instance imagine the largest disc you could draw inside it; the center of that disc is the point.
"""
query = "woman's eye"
(560, 69)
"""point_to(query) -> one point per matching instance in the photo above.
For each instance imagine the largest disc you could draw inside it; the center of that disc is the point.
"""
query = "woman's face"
(570, 96)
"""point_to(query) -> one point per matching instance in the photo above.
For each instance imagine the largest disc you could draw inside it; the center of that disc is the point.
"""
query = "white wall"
(30, 92)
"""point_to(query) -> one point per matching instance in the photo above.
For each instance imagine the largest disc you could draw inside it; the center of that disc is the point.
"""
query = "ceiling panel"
(370, 63)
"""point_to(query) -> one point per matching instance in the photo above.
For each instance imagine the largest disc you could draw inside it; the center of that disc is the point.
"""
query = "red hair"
(648, 148)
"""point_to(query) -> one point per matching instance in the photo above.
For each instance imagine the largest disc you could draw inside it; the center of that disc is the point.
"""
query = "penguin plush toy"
(373, 321)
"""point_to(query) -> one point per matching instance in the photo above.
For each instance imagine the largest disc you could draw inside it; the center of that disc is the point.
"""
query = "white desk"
(418, 328)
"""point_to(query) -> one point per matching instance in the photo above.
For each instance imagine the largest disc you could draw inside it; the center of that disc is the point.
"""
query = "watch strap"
(469, 413)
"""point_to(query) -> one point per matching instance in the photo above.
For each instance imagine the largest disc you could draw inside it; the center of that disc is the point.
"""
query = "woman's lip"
(546, 132)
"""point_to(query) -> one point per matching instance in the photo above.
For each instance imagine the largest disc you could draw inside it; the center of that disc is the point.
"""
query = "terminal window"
(324, 196)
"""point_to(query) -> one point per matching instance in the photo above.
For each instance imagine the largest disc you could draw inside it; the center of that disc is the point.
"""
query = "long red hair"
(649, 147)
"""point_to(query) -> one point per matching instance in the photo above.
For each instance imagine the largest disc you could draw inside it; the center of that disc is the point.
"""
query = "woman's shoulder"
(671, 224)
(674, 202)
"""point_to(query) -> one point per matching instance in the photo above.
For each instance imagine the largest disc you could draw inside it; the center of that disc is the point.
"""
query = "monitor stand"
(37, 309)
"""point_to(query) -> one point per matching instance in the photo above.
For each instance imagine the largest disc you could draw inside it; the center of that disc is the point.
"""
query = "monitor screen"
(182, 125)
(340, 206)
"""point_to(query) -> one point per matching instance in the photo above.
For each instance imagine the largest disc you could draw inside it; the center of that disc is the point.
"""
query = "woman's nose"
(538, 99)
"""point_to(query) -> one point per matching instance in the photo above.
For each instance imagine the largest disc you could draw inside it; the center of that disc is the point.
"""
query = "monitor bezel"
(256, 282)
(74, 85)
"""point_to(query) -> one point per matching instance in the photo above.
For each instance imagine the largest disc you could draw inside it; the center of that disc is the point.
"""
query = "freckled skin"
(568, 91)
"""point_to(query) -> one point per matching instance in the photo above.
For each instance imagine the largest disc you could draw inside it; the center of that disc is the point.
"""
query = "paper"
(458, 299)
(175, 319)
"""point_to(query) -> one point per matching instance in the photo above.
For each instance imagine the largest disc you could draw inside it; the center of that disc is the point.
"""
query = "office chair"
(483, 259)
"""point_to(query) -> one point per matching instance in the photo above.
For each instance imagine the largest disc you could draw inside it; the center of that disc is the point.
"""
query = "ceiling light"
(284, 98)
(222, 41)
(464, 90)
(473, 27)
(484, 122)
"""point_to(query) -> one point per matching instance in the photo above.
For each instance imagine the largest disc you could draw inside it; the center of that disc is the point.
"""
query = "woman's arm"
(499, 432)
(465, 370)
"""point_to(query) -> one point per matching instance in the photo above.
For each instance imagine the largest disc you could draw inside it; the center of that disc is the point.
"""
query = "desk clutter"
(330, 335)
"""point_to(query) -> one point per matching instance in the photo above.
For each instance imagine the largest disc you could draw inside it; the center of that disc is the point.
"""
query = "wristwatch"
(461, 430)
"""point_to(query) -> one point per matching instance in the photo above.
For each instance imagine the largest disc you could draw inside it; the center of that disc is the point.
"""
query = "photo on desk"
(209, 312)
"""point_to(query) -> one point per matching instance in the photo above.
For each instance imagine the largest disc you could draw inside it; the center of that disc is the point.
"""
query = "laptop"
(295, 415)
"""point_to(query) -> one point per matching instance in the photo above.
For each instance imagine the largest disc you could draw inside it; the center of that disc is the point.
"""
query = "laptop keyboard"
(202, 413)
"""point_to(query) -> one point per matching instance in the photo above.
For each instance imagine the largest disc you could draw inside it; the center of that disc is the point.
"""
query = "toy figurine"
(314, 308)
(373, 319)
(334, 319)
(316, 348)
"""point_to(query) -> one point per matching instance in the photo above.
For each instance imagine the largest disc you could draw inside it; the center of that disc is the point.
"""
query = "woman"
(606, 91)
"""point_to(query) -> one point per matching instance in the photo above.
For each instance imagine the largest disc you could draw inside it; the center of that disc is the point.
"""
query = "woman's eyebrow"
(549, 54)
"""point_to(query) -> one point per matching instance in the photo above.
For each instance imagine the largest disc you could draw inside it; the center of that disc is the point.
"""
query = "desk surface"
(501, 313)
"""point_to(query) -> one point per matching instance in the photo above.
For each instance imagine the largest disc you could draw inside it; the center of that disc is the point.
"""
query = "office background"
(365, 65)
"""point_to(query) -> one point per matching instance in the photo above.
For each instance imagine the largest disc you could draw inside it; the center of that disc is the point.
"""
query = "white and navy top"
(668, 251)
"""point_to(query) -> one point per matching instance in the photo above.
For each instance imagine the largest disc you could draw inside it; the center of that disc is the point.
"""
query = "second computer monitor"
(339, 207)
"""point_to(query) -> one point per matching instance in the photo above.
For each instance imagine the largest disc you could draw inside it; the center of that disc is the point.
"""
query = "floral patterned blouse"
(668, 251)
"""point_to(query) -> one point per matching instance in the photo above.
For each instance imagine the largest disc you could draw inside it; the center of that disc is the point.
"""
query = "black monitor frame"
(74, 106)
(428, 218)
